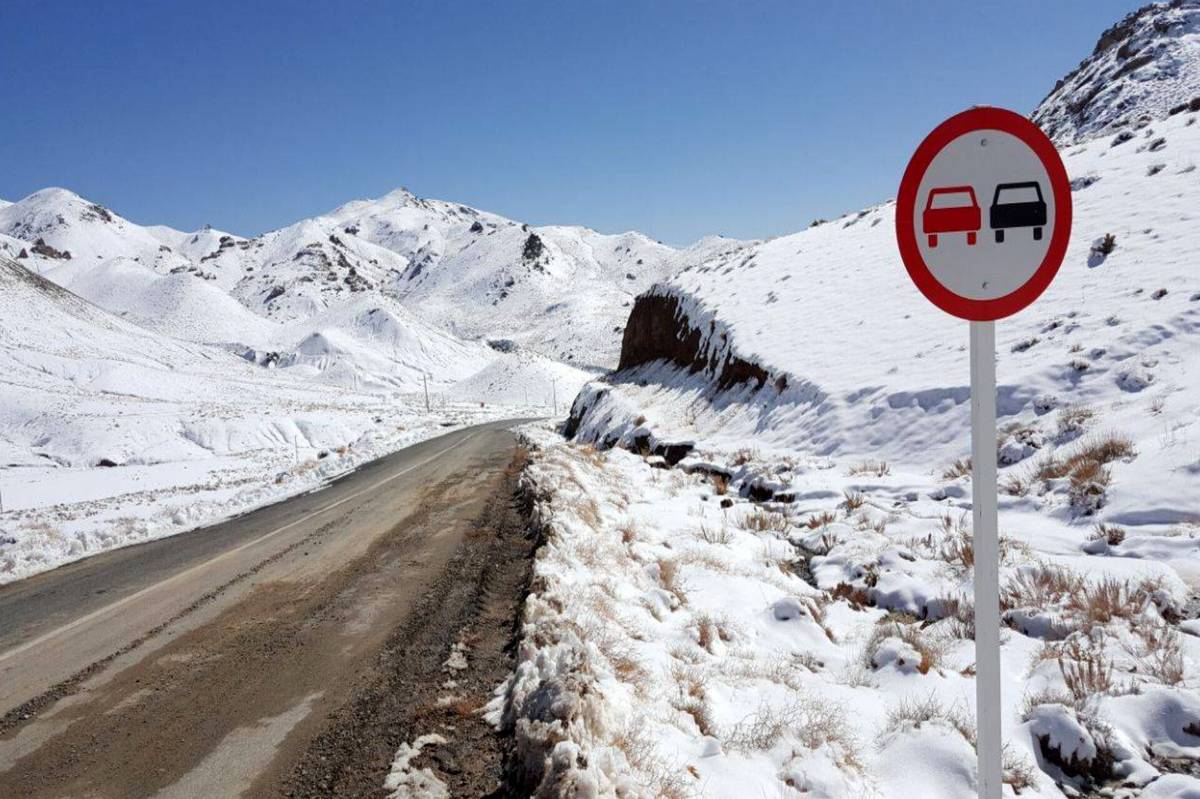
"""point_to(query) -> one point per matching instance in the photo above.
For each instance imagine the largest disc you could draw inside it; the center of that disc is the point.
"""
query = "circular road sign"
(983, 215)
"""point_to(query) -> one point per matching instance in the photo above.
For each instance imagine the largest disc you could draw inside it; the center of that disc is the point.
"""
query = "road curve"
(199, 664)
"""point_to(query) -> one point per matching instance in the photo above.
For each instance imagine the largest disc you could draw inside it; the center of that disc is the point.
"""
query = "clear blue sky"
(674, 118)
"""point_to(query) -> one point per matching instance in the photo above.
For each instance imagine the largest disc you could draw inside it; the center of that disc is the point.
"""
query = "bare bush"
(810, 720)
(853, 501)
(1111, 533)
(876, 468)
(819, 520)
(1085, 669)
(718, 534)
(929, 652)
(960, 468)
(914, 713)
(762, 521)
(671, 581)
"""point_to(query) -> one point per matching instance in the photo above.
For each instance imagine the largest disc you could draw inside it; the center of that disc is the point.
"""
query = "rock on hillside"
(1145, 67)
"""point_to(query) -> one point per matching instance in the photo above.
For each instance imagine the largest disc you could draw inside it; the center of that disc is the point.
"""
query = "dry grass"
(875, 468)
(720, 483)
(715, 534)
(929, 651)
(960, 468)
(1073, 419)
(655, 773)
(814, 722)
(710, 629)
(1085, 669)
(1044, 587)
(819, 520)
(671, 580)
(1159, 652)
(628, 530)
(1103, 600)
(763, 521)
(1111, 533)
(1015, 485)
(853, 501)
(913, 713)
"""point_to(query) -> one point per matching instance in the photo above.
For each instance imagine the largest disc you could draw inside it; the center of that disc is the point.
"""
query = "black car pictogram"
(1018, 205)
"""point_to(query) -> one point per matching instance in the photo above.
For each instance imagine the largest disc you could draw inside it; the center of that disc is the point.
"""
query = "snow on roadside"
(55, 515)
(682, 640)
(405, 781)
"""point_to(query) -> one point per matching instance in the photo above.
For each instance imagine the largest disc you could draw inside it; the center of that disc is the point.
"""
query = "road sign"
(984, 214)
(981, 265)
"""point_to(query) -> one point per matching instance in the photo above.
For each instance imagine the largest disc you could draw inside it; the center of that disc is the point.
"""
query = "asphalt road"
(205, 664)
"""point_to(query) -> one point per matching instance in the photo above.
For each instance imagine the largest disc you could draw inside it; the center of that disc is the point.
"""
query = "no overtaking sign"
(983, 218)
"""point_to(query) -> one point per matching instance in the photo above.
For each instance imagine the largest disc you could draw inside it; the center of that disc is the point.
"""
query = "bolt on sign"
(983, 218)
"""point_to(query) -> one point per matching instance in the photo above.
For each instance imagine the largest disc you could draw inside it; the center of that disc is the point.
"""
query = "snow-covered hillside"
(774, 525)
(562, 292)
(1145, 67)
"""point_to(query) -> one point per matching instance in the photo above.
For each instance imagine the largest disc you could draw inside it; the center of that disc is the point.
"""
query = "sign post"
(983, 266)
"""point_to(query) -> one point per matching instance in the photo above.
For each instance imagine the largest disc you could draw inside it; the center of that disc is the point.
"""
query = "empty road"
(279, 653)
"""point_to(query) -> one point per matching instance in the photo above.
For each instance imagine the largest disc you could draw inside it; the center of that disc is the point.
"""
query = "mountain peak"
(1145, 67)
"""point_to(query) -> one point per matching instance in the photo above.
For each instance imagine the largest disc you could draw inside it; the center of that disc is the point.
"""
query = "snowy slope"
(179, 305)
(111, 433)
(782, 559)
(1144, 68)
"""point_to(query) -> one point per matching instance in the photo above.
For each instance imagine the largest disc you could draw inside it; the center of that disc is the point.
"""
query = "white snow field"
(756, 575)
(111, 434)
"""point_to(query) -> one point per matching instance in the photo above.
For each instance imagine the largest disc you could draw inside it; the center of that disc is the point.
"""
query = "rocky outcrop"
(660, 330)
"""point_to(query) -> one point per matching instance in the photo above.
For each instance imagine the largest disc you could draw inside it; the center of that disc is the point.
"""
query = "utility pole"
(554, 394)
(425, 383)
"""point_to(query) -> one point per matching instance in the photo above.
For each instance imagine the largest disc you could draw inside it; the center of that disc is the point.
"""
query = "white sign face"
(984, 215)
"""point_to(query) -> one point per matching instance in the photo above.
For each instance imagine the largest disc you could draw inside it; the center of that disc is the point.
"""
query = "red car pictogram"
(951, 209)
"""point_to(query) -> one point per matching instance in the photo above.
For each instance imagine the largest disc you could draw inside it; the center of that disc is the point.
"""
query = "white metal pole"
(987, 557)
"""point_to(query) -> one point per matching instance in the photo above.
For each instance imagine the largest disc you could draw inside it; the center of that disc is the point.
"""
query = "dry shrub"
(1086, 671)
(1102, 450)
(814, 722)
(960, 468)
(720, 483)
(587, 510)
(1103, 600)
(857, 597)
(929, 651)
(1111, 533)
(628, 530)
(876, 468)
(960, 615)
(744, 456)
(710, 629)
(819, 520)
(913, 713)
(853, 501)
(1159, 652)
(763, 521)
(1014, 485)
(719, 534)
(671, 581)
(1018, 772)
(1043, 587)
(654, 772)
(1073, 419)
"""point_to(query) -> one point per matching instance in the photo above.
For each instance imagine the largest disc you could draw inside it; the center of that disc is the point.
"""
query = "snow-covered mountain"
(562, 292)
(1144, 68)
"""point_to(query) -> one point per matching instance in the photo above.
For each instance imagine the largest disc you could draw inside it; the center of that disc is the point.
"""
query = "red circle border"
(983, 118)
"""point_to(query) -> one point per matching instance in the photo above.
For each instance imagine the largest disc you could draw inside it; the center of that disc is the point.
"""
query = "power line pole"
(425, 383)
(554, 391)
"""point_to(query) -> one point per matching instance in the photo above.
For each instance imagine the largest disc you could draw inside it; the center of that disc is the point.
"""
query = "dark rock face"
(657, 331)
